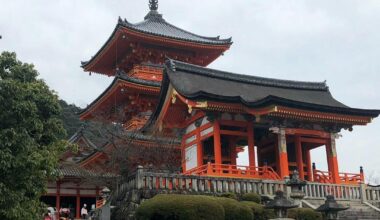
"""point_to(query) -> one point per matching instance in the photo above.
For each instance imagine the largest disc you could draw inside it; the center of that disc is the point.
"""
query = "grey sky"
(337, 41)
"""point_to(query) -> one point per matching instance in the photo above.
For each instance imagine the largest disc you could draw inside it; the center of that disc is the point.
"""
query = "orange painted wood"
(299, 156)
(183, 155)
(234, 171)
(58, 198)
(199, 147)
(233, 123)
(251, 145)
(78, 205)
(217, 143)
(284, 165)
(332, 162)
(314, 140)
(233, 153)
(308, 163)
(294, 131)
(233, 133)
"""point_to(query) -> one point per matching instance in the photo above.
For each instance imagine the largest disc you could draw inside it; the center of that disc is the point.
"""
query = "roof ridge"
(155, 17)
(307, 85)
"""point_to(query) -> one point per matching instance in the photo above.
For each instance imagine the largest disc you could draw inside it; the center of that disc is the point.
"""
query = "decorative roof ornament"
(153, 5)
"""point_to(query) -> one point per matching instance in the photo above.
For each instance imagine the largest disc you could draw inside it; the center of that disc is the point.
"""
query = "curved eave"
(273, 100)
(206, 40)
(87, 65)
(203, 97)
(150, 85)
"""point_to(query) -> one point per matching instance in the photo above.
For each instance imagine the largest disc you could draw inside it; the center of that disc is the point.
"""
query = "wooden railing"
(236, 171)
(322, 176)
(344, 178)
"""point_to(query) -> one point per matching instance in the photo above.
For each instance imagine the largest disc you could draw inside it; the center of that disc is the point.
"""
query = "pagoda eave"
(118, 86)
(123, 41)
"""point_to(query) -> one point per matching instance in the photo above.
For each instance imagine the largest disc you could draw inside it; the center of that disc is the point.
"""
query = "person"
(48, 216)
(64, 213)
(84, 212)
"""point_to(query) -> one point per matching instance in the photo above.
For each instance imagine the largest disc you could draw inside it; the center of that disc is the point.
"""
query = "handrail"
(345, 178)
(237, 171)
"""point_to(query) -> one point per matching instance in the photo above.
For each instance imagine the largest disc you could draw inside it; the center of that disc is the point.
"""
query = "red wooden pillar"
(199, 147)
(251, 145)
(308, 163)
(217, 143)
(282, 162)
(58, 198)
(183, 155)
(78, 203)
(232, 145)
(332, 159)
(298, 146)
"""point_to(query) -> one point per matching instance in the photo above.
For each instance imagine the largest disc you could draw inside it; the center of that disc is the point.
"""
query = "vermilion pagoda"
(162, 84)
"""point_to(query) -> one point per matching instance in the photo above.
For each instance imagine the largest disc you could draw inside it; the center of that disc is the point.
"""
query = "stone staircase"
(357, 210)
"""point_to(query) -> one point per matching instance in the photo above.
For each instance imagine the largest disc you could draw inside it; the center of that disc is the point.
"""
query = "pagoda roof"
(120, 77)
(155, 24)
(80, 135)
(200, 83)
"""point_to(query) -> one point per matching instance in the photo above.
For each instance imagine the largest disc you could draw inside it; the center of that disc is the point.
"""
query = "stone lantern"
(280, 205)
(331, 208)
(296, 184)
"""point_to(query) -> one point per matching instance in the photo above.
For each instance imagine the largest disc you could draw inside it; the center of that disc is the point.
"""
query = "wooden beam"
(321, 141)
(233, 133)
(233, 123)
(315, 133)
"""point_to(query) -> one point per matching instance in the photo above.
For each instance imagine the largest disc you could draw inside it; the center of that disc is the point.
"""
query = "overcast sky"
(337, 41)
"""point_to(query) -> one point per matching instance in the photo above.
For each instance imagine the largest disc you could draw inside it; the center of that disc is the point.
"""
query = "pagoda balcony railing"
(344, 178)
(147, 179)
(235, 171)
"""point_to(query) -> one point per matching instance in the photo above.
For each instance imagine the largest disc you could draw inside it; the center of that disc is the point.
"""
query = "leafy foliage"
(304, 214)
(229, 195)
(234, 210)
(259, 211)
(180, 207)
(253, 197)
(31, 136)
(70, 116)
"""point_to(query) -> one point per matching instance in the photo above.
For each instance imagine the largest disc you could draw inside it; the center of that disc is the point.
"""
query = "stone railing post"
(139, 177)
(361, 174)
(363, 194)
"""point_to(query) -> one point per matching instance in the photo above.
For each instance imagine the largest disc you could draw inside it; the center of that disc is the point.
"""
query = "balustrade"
(145, 179)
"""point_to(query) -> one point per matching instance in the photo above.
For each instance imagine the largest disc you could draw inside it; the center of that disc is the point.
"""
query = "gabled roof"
(80, 135)
(204, 84)
(155, 24)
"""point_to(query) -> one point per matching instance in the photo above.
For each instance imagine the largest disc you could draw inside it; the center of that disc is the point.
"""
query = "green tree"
(30, 138)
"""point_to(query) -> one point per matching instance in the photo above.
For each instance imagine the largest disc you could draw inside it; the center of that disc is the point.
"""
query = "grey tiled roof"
(76, 171)
(200, 83)
(155, 24)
